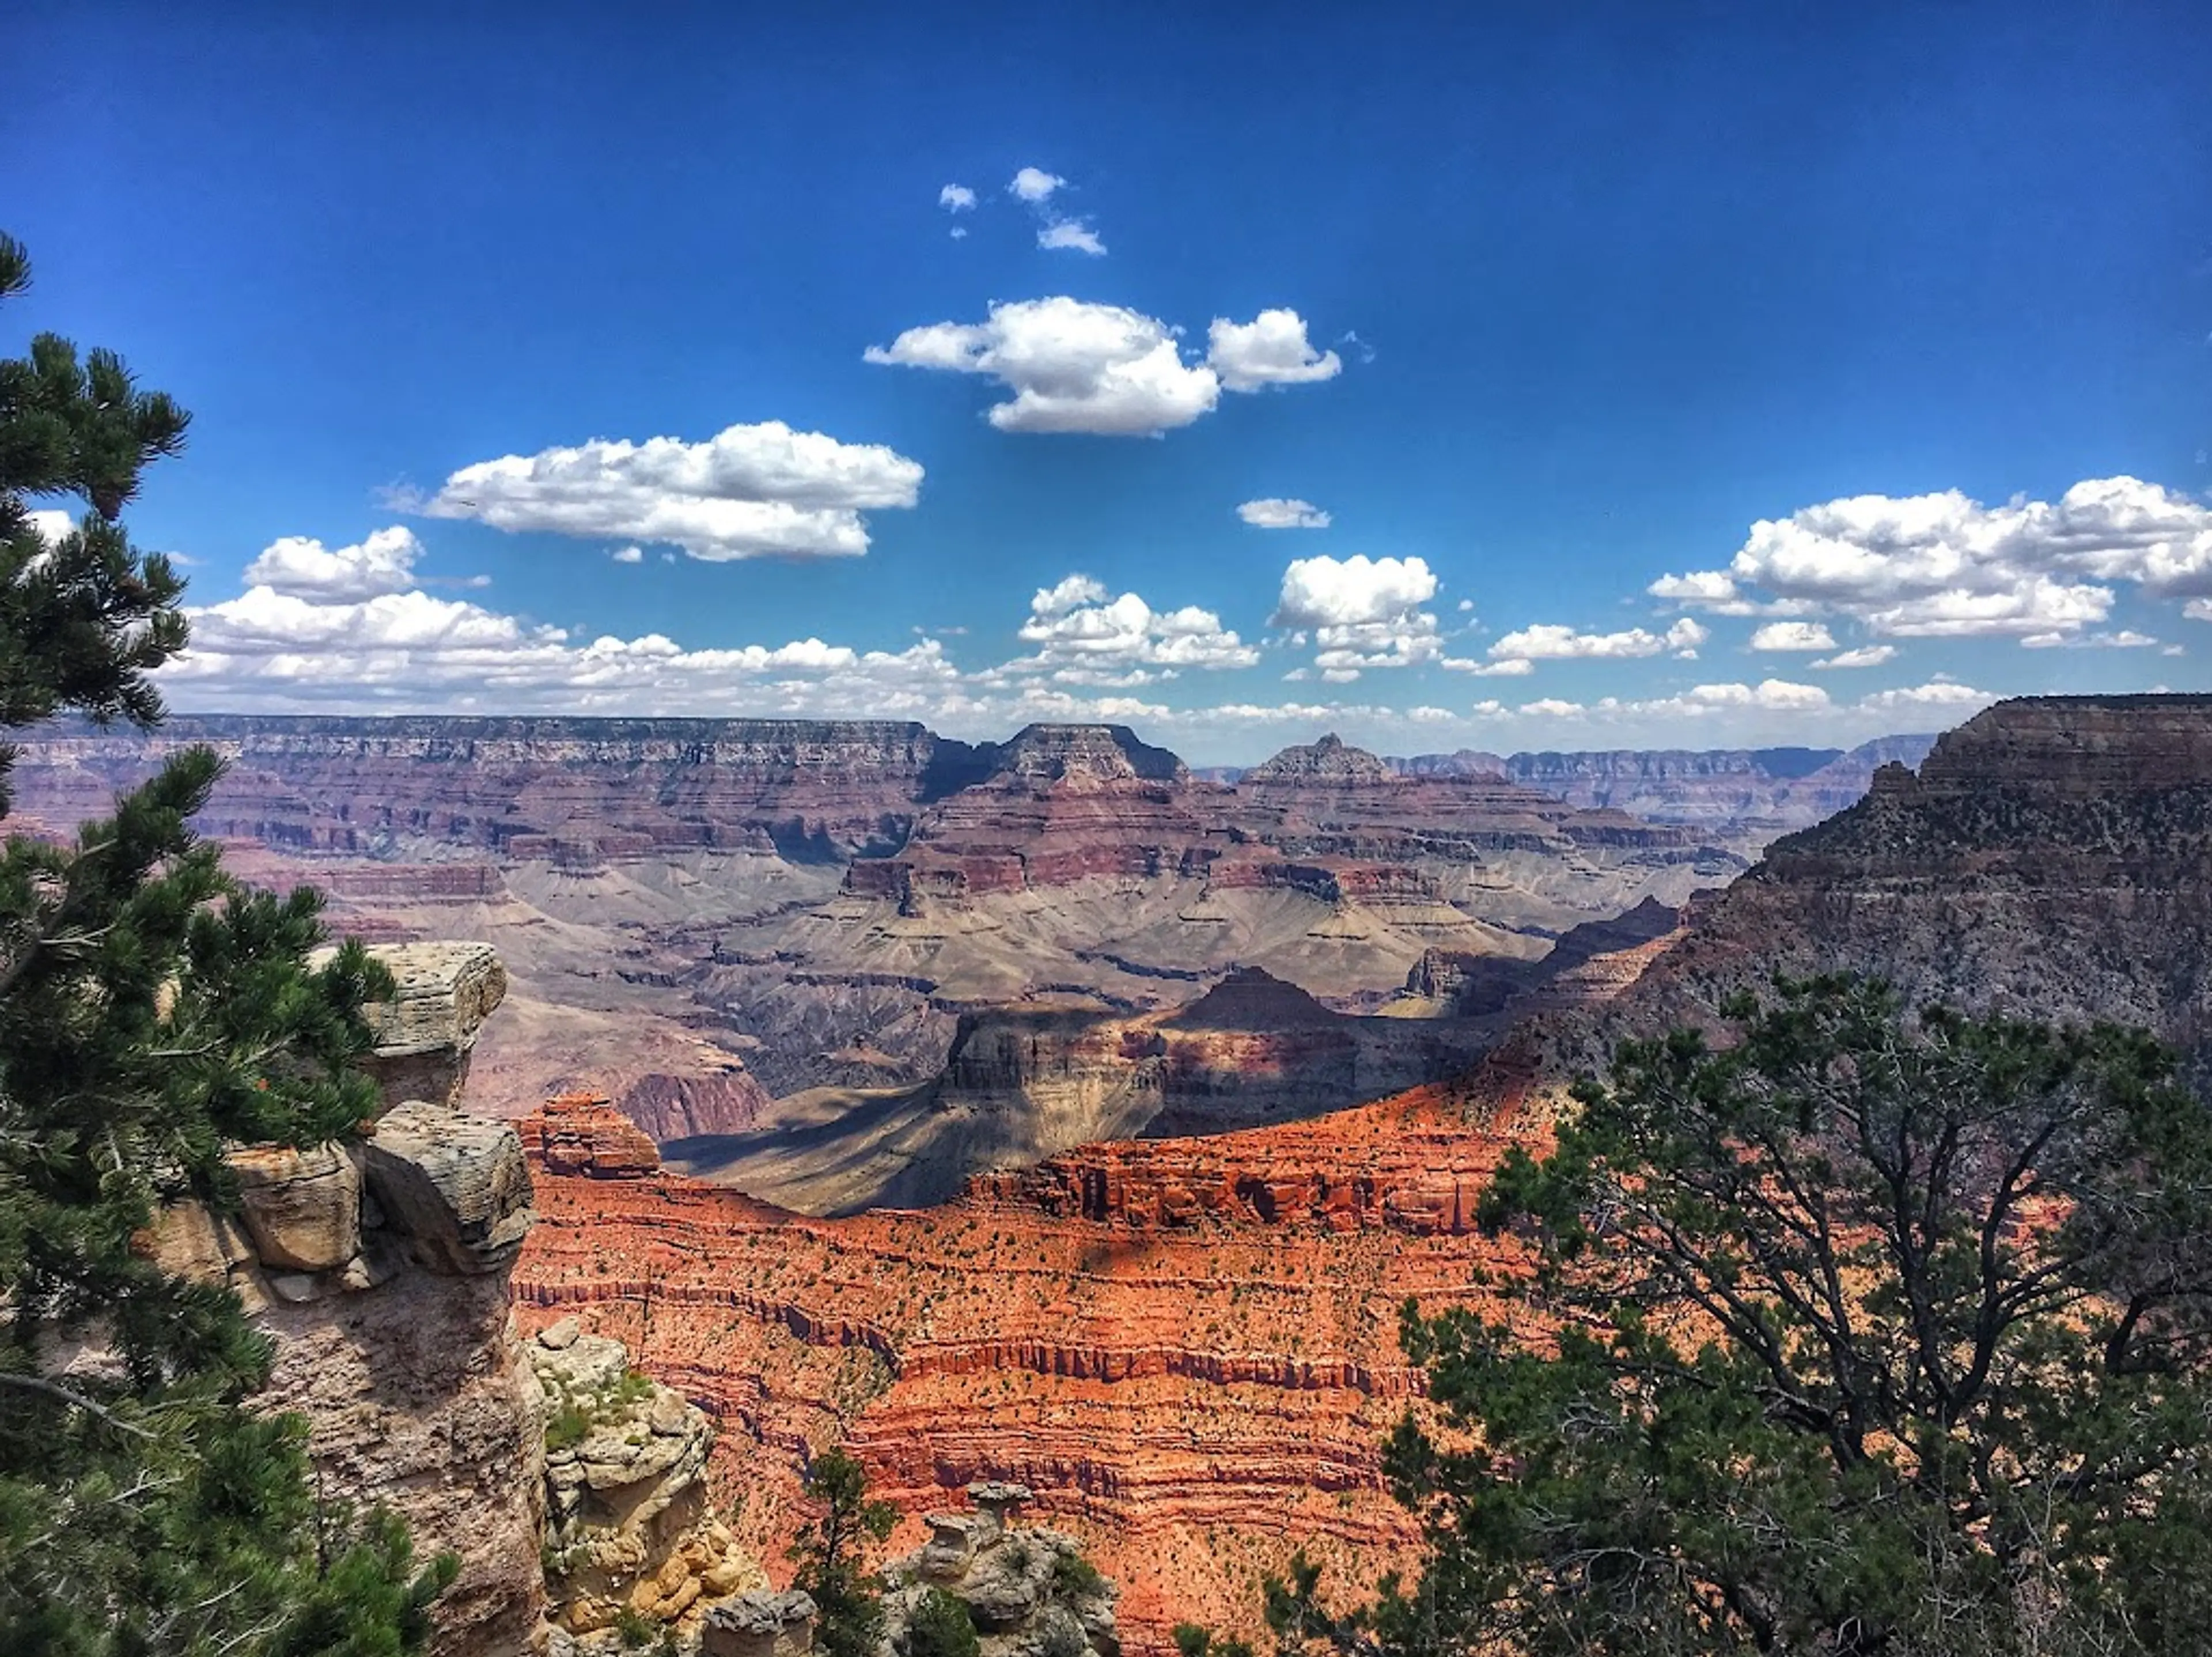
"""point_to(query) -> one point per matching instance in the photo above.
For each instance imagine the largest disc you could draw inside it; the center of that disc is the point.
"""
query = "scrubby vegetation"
(573, 1414)
(1876, 1332)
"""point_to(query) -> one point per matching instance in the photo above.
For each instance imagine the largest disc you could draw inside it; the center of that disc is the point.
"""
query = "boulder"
(760, 1625)
(302, 1208)
(426, 1033)
(189, 1239)
(455, 1185)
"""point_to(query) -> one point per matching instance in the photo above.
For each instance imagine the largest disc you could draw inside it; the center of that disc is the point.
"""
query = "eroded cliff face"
(2050, 859)
(379, 1272)
(707, 919)
(1186, 1347)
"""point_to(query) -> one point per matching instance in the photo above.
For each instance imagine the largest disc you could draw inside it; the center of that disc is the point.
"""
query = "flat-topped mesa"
(2120, 780)
(575, 791)
(1079, 754)
(2076, 747)
(1330, 763)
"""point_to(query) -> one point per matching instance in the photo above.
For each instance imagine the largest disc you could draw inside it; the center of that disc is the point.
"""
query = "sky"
(1530, 377)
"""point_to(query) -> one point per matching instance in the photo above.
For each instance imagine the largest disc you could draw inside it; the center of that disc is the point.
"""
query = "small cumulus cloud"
(628, 555)
(1274, 513)
(748, 491)
(1271, 350)
(1361, 613)
(1793, 635)
(956, 198)
(1074, 235)
(1868, 655)
(1076, 366)
(1034, 185)
(300, 566)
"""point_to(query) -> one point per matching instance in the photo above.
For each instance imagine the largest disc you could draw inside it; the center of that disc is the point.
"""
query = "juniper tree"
(1873, 1334)
(150, 1008)
(831, 1569)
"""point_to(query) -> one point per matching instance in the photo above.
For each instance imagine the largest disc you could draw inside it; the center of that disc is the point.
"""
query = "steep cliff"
(379, 1272)
(1186, 1347)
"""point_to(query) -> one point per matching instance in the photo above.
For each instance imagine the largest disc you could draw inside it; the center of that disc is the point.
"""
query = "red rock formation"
(584, 1135)
(1185, 1347)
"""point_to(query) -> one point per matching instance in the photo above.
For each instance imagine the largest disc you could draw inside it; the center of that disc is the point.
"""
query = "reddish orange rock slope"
(1187, 1348)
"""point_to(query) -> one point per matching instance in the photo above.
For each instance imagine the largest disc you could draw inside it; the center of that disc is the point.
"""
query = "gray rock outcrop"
(378, 1269)
(456, 1186)
(627, 1525)
(1027, 1589)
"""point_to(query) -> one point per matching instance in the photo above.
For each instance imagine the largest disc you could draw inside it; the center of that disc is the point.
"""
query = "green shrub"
(940, 1627)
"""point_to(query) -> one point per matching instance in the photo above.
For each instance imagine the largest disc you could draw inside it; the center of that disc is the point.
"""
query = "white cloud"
(1507, 668)
(1074, 235)
(1700, 586)
(1072, 366)
(1867, 656)
(1034, 185)
(1548, 641)
(1273, 512)
(958, 232)
(628, 555)
(1363, 612)
(1271, 350)
(1947, 566)
(1941, 697)
(1793, 635)
(2125, 639)
(956, 198)
(1065, 595)
(50, 525)
(1327, 592)
(750, 491)
(383, 561)
(1084, 638)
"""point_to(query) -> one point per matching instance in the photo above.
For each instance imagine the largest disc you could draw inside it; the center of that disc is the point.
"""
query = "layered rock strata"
(712, 919)
(627, 1524)
(1186, 1347)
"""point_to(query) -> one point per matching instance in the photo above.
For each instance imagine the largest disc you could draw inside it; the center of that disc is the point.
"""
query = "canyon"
(846, 964)
(1186, 1346)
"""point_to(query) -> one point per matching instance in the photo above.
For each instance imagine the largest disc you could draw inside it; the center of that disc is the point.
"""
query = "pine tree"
(151, 1008)
(849, 1610)
(1873, 1335)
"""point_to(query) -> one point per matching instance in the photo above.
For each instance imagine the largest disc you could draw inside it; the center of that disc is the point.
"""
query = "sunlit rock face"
(379, 1268)
(1186, 1347)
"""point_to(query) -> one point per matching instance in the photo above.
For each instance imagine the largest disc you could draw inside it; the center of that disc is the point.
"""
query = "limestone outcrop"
(1028, 1590)
(443, 993)
(378, 1270)
(454, 1185)
(628, 1526)
(760, 1625)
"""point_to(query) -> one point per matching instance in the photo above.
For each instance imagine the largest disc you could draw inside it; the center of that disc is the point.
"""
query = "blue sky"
(1885, 332)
